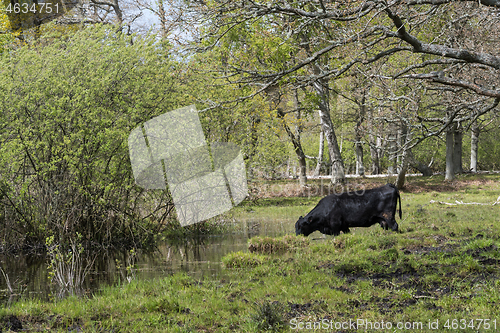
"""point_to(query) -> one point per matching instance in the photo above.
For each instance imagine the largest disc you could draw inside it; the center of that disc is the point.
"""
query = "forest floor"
(440, 273)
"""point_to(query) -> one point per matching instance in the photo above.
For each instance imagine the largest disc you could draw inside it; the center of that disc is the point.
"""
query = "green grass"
(443, 265)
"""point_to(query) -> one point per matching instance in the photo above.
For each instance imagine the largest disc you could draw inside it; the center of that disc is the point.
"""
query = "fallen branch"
(465, 203)
(424, 296)
(7, 281)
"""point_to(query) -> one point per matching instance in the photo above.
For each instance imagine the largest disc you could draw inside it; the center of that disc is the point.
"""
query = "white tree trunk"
(450, 174)
(405, 139)
(457, 150)
(392, 149)
(338, 174)
(320, 152)
(474, 146)
(360, 169)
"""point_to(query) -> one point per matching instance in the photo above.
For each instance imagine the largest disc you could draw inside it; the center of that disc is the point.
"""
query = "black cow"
(338, 212)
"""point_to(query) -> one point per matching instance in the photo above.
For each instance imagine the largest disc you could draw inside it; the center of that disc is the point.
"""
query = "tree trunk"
(320, 152)
(391, 169)
(302, 170)
(360, 168)
(474, 144)
(457, 150)
(421, 167)
(405, 138)
(338, 175)
(375, 161)
(297, 146)
(375, 168)
(163, 20)
(400, 181)
(449, 154)
(248, 157)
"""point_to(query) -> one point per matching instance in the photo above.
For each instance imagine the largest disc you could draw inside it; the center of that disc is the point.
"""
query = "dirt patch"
(455, 185)
(489, 261)
(343, 289)
(298, 309)
(12, 323)
(446, 248)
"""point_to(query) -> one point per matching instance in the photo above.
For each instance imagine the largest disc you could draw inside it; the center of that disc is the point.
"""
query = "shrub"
(67, 110)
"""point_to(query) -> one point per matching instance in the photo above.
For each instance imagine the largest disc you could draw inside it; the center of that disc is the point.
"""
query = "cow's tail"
(400, 212)
(399, 198)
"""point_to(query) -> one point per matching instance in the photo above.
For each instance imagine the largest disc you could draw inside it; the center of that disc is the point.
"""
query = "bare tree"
(331, 38)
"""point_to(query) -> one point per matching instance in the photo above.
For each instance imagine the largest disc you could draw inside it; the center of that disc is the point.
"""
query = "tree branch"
(441, 50)
(439, 77)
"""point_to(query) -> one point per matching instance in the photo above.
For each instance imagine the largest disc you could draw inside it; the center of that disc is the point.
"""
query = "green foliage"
(66, 111)
(271, 155)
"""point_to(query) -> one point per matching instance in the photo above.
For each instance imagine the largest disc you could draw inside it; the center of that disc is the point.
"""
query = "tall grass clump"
(268, 316)
(242, 260)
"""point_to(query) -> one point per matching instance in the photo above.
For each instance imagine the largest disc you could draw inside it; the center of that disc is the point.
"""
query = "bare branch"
(439, 77)
(441, 50)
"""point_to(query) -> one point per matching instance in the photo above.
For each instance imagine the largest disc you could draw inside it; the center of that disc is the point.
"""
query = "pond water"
(28, 275)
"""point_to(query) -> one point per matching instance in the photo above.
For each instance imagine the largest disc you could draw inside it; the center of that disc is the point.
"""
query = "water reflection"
(199, 257)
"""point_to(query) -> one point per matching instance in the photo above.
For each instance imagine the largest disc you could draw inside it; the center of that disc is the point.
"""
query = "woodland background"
(305, 88)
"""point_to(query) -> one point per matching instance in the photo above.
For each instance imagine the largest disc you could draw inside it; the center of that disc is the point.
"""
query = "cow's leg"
(331, 231)
(345, 227)
(336, 230)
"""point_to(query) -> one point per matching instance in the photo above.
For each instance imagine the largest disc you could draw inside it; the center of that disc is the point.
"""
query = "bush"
(67, 110)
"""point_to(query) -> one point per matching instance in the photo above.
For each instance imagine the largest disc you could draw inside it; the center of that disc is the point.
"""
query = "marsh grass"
(268, 245)
(242, 259)
(444, 264)
(268, 316)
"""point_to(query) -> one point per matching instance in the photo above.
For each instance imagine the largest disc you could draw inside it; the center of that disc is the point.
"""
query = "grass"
(443, 265)
(283, 244)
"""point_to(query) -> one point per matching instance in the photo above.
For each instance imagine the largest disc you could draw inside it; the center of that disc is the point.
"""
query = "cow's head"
(385, 225)
(395, 226)
(305, 226)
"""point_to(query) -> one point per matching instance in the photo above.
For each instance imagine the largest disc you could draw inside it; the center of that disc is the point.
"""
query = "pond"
(28, 276)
